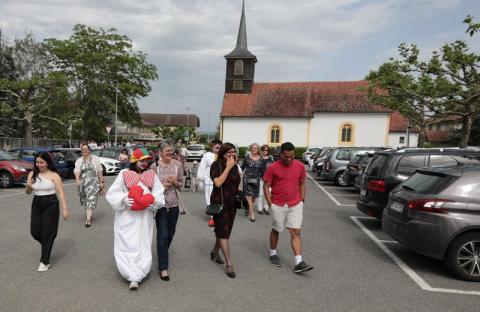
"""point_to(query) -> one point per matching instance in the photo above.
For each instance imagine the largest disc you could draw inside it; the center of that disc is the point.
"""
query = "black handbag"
(215, 210)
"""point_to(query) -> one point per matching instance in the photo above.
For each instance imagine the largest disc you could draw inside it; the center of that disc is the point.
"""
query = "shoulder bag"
(216, 210)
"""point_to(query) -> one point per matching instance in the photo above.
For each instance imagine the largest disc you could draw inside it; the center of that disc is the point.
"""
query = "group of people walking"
(147, 192)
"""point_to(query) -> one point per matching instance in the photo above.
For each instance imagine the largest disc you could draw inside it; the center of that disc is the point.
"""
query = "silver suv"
(436, 212)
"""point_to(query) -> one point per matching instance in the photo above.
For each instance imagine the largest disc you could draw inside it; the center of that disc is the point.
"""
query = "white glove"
(153, 207)
(128, 201)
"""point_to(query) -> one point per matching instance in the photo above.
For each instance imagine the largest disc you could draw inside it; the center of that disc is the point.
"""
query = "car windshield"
(425, 183)
(195, 148)
(313, 150)
(7, 156)
(376, 165)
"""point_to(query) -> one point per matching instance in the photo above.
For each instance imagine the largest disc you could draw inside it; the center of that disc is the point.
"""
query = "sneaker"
(133, 286)
(302, 267)
(43, 267)
(211, 223)
(275, 261)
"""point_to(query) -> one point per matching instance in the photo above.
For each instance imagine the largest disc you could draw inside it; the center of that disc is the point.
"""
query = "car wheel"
(339, 179)
(6, 179)
(463, 257)
(104, 170)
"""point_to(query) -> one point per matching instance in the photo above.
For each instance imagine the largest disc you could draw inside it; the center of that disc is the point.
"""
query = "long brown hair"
(48, 159)
(224, 148)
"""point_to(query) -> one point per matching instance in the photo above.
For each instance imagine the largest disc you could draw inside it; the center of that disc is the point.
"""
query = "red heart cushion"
(140, 201)
(135, 192)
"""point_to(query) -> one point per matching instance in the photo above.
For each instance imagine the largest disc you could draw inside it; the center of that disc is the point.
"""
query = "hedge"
(298, 151)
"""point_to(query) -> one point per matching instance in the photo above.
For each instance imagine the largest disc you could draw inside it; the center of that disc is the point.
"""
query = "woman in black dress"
(226, 180)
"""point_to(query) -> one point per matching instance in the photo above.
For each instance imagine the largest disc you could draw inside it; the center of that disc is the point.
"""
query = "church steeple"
(240, 62)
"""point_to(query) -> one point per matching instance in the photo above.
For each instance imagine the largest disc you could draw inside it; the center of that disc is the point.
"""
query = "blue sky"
(302, 40)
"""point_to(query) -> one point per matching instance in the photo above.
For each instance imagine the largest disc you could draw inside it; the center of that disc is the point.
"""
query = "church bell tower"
(240, 63)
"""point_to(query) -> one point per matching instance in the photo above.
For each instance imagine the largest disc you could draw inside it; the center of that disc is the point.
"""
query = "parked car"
(195, 152)
(28, 154)
(13, 170)
(336, 162)
(355, 167)
(109, 152)
(70, 155)
(436, 213)
(308, 153)
(109, 165)
(391, 167)
(320, 159)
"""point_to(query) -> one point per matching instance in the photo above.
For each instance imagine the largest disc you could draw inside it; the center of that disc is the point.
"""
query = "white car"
(195, 152)
(308, 153)
(109, 165)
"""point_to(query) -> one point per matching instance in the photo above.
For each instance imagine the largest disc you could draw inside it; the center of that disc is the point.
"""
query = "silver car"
(436, 212)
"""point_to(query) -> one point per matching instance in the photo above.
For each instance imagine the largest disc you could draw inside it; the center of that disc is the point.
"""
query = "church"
(320, 114)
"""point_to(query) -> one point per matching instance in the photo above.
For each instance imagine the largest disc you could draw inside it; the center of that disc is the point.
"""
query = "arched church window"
(346, 134)
(275, 135)
(238, 68)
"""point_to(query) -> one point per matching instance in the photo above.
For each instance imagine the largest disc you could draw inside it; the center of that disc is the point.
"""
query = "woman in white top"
(45, 183)
(89, 175)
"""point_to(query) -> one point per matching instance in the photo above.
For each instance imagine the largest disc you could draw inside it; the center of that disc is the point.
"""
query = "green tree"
(447, 84)
(97, 60)
(34, 87)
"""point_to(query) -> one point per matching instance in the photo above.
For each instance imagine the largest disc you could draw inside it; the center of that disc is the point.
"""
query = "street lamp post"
(208, 127)
(188, 124)
(116, 111)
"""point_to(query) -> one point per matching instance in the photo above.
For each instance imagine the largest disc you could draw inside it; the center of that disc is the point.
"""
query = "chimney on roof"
(240, 63)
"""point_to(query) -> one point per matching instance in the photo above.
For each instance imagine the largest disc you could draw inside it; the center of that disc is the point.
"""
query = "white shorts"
(289, 217)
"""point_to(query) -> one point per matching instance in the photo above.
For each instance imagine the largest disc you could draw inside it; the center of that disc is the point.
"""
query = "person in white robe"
(133, 229)
(203, 173)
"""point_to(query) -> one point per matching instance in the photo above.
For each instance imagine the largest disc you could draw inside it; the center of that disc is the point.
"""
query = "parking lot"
(428, 274)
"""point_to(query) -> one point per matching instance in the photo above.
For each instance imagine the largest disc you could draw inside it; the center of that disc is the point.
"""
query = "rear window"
(442, 160)
(423, 183)
(409, 163)
(376, 165)
(195, 148)
(344, 155)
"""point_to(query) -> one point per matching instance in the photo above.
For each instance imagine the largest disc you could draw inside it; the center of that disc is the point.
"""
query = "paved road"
(351, 272)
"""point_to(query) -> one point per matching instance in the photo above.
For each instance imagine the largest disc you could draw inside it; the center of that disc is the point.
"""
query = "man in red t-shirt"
(286, 178)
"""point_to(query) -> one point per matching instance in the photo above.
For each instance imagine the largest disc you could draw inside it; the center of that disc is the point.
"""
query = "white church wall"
(245, 130)
(394, 139)
(368, 129)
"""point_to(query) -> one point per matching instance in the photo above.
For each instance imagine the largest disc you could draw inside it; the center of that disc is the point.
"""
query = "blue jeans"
(166, 224)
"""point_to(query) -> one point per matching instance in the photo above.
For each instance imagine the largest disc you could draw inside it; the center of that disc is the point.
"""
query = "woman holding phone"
(225, 175)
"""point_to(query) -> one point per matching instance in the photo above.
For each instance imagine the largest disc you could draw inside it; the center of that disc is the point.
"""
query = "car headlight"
(19, 168)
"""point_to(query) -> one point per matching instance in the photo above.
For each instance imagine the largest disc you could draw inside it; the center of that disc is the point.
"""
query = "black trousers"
(44, 223)
(166, 224)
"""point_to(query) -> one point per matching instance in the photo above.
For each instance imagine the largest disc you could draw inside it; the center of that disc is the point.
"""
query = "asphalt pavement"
(352, 273)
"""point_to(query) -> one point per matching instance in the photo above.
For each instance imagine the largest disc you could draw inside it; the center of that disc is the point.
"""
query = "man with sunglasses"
(286, 179)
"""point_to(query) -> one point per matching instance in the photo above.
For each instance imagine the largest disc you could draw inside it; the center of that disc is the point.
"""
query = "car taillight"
(376, 185)
(429, 205)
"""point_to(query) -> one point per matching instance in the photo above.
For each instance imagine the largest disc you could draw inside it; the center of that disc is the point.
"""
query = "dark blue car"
(28, 154)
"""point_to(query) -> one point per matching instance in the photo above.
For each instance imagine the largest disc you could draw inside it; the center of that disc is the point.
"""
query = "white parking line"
(405, 268)
(23, 192)
(328, 194)
(347, 195)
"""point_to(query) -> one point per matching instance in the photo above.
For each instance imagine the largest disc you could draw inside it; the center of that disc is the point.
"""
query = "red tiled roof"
(170, 120)
(437, 135)
(299, 99)
(398, 123)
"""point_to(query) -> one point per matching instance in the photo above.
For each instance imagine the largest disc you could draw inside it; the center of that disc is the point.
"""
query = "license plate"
(363, 193)
(396, 206)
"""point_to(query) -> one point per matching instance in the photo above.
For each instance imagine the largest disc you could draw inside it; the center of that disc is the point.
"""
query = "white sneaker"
(133, 286)
(43, 267)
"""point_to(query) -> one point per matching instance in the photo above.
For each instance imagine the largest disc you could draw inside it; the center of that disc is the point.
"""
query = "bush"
(242, 150)
(299, 151)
